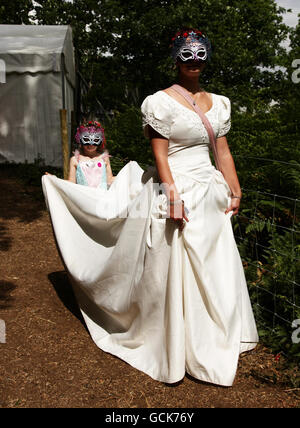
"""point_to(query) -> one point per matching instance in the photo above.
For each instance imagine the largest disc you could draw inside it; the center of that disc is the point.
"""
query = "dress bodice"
(91, 172)
(189, 144)
(181, 125)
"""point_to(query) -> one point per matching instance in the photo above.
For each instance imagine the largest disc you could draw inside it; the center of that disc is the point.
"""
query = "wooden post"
(65, 141)
(73, 128)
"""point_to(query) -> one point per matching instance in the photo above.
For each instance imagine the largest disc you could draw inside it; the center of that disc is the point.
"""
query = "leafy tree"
(123, 47)
(15, 12)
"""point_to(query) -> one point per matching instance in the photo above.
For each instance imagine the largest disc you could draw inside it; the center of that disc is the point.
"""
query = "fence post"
(65, 141)
(73, 127)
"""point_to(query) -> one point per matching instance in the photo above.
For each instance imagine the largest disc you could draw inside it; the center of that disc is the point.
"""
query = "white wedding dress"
(166, 302)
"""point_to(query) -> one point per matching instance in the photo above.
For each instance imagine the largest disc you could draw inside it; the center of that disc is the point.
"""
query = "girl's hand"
(234, 206)
(177, 214)
(48, 173)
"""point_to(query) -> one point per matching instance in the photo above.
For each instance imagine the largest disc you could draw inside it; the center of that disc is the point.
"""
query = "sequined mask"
(193, 52)
(92, 138)
(90, 133)
(191, 45)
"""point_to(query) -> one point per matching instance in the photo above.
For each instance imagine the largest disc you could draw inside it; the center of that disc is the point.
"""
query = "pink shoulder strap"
(204, 119)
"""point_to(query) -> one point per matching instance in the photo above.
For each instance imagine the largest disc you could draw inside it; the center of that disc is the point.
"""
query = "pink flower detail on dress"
(99, 164)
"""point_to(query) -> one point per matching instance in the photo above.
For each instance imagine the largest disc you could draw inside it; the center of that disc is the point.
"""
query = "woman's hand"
(234, 206)
(177, 213)
(159, 146)
(229, 172)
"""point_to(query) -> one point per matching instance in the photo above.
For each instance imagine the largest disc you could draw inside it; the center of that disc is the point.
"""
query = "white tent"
(37, 79)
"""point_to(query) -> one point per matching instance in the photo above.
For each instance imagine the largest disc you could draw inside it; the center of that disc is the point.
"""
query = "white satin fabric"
(166, 302)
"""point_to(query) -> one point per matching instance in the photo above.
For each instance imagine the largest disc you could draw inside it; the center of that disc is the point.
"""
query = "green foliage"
(125, 139)
(15, 12)
(30, 174)
(123, 47)
(269, 244)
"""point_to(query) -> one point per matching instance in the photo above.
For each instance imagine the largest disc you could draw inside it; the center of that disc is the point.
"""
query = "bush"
(125, 139)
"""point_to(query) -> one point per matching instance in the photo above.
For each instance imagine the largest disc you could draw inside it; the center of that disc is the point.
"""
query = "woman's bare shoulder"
(158, 93)
(167, 90)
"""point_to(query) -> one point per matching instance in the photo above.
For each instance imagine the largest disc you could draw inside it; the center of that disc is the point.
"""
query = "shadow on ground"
(6, 299)
(64, 291)
(5, 240)
(17, 204)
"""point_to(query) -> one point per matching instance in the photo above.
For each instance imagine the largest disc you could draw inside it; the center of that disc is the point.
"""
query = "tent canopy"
(37, 48)
(39, 82)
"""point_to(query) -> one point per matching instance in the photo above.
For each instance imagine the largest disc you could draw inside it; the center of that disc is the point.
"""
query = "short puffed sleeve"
(157, 113)
(224, 115)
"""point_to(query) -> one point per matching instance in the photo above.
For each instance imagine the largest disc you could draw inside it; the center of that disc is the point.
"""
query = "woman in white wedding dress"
(160, 283)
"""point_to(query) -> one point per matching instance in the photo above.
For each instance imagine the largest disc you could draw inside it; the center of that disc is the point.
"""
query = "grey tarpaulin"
(39, 70)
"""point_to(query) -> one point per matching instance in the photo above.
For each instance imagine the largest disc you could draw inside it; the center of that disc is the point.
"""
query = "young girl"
(90, 165)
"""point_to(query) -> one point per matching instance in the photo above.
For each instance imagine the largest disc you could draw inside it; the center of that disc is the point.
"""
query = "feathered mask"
(91, 133)
(191, 45)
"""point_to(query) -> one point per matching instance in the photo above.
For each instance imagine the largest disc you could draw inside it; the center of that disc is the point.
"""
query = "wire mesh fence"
(268, 237)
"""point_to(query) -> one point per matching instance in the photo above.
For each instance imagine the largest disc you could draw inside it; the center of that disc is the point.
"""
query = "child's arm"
(109, 175)
(72, 169)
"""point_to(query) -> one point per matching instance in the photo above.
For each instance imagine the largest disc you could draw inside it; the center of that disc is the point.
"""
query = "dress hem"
(203, 378)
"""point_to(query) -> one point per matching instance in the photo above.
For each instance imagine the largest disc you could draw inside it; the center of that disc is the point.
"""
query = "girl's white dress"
(166, 302)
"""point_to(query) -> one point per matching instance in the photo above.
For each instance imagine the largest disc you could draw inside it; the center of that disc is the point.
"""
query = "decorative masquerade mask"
(191, 45)
(90, 133)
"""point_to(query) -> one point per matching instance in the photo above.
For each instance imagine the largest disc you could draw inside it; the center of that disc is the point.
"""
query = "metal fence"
(274, 287)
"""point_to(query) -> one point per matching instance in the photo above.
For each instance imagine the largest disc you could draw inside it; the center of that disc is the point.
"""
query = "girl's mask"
(91, 133)
(92, 138)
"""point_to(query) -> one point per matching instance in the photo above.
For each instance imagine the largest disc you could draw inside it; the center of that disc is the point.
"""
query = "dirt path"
(49, 359)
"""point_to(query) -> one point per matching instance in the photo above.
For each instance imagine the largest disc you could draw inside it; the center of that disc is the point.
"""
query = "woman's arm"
(72, 169)
(228, 169)
(159, 146)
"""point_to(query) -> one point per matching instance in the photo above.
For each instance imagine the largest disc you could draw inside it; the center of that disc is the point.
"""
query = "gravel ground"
(49, 359)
